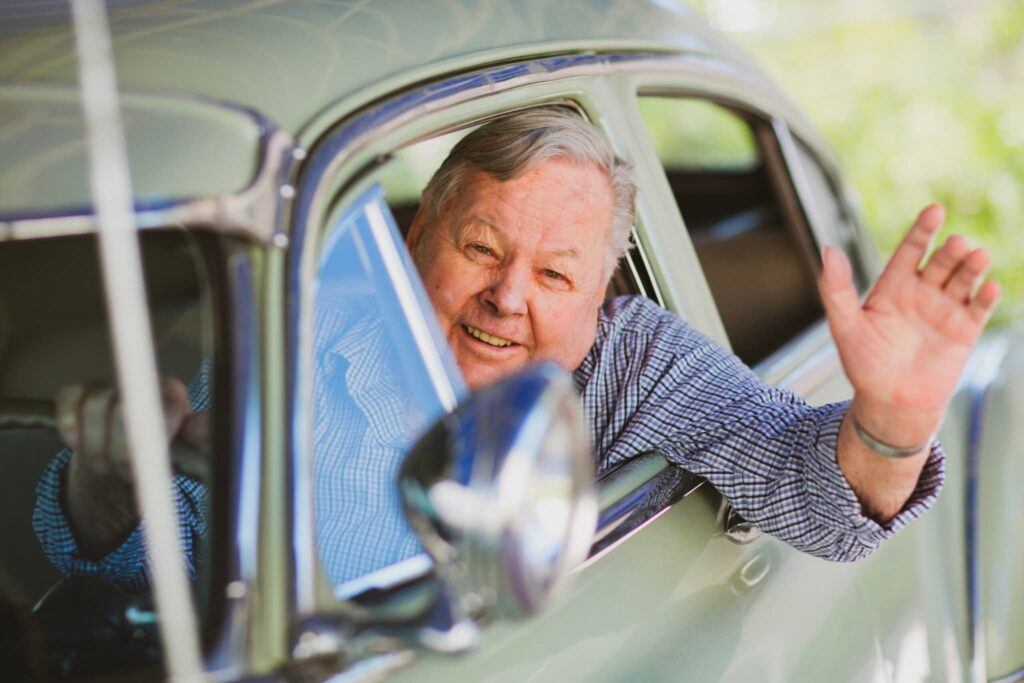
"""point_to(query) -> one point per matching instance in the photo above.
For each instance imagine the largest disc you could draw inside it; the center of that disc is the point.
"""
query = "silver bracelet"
(883, 448)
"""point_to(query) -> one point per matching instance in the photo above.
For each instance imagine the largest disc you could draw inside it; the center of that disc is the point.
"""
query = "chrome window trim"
(229, 653)
(978, 388)
(255, 212)
(645, 262)
(805, 198)
(632, 496)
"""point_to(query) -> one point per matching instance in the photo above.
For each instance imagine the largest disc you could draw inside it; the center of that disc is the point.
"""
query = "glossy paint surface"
(177, 149)
(291, 59)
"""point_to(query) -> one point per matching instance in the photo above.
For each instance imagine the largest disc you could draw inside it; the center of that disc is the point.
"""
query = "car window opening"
(755, 253)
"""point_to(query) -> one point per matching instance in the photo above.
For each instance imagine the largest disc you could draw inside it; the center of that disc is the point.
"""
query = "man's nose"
(509, 292)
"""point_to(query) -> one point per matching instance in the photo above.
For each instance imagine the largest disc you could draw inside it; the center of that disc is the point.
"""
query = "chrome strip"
(253, 212)
(791, 158)
(641, 251)
(418, 565)
(981, 379)
(635, 494)
(230, 654)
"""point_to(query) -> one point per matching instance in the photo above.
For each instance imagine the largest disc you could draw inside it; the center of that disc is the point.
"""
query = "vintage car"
(277, 152)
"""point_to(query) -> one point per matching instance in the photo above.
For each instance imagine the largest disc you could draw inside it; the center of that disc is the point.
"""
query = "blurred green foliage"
(921, 102)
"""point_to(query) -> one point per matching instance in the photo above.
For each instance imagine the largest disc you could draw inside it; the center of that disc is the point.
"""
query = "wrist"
(895, 425)
(99, 507)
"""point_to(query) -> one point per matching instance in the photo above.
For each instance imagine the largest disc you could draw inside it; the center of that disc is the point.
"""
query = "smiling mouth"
(487, 338)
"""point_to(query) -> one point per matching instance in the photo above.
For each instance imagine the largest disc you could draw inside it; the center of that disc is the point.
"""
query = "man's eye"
(553, 275)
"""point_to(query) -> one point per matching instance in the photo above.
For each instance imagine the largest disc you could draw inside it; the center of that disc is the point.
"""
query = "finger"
(967, 274)
(95, 408)
(984, 302)
(838, 295)
(194, 430)
(66, 404)
(117, 450)
(916, 242)
(176, 406)
(944, 261)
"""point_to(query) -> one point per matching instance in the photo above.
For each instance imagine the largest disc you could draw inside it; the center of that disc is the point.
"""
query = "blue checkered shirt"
(650, 382)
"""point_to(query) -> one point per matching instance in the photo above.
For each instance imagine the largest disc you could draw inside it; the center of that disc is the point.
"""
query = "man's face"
(515, 269)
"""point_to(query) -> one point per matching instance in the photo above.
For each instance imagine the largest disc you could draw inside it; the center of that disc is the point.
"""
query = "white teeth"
(487, 338)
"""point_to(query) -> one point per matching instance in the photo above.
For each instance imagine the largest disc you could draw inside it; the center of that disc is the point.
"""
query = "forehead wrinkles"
(568, 193)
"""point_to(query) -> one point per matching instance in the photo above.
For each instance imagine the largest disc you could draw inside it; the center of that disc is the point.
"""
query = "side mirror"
(501, 493)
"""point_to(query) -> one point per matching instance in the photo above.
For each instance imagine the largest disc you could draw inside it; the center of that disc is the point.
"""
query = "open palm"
(905, 347)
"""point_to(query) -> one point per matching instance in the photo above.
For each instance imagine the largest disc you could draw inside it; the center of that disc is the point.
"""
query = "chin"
(478, 376)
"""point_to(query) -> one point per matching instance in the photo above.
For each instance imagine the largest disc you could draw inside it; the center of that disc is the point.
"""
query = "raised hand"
(903, 350)
(905, 347)
(100, 503)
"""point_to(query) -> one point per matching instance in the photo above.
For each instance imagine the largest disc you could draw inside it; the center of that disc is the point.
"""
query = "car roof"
(290, 60)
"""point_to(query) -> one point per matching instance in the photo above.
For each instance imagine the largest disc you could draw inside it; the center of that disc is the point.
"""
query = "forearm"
(883, 485)
(100, 509)
(126, 564)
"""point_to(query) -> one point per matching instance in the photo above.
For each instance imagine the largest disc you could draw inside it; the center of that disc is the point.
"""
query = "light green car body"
(676, 600)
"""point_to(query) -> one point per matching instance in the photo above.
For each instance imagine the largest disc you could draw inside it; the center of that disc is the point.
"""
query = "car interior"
(737, 202)
(55, 332)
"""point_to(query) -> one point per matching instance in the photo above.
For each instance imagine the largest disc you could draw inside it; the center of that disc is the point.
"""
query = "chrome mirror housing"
(501, 492)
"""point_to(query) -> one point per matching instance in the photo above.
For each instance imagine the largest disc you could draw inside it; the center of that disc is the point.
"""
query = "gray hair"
(511, 145)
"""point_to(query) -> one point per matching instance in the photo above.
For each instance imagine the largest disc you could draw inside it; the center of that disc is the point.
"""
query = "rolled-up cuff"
(837, 505)
(126, 565)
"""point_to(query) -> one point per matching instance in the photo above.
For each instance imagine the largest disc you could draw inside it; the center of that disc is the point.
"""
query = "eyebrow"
(568, 252)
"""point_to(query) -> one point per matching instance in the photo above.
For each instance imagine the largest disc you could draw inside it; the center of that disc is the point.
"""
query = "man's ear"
(417, 229)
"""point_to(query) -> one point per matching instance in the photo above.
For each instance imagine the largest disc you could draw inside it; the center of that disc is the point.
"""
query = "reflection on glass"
(372, 397)
(66, 612)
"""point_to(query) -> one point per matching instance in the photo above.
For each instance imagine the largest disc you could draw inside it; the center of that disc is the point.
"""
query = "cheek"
(566, 333)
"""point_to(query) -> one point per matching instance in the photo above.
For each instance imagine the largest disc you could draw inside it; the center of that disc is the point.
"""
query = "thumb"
(838, 295)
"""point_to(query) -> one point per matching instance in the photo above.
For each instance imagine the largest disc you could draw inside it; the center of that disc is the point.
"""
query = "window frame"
(347, 153)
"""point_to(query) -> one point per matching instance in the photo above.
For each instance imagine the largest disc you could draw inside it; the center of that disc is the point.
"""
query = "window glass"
(739, 208)
(64, 612)
(381, 375)
(698, 135)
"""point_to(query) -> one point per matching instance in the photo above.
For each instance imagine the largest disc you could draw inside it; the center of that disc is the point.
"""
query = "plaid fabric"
(652, 382)
(649, 382)
(365, 420)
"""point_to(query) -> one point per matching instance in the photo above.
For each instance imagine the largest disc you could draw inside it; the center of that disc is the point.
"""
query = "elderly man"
(517, 236)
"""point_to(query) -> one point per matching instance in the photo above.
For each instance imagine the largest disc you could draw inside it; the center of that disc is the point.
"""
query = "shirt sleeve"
(774, 457)
(766, 450)
(126, 565)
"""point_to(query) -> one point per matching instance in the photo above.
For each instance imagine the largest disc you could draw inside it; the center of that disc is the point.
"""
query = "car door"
(760, 262)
